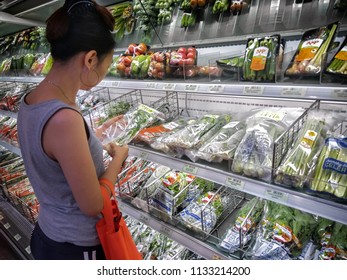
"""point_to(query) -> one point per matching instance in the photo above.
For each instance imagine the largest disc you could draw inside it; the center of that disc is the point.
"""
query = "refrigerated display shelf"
(10, 147)
(16, 229)
(219, 173)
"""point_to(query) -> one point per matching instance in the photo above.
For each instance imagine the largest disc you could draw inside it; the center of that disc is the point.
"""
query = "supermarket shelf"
(284, 90)
(8, 113)
(10, 147)
(219, 174)
(16, 229)
(201, 248)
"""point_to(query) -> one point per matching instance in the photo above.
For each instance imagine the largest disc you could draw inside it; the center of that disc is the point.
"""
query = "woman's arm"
(65, 140)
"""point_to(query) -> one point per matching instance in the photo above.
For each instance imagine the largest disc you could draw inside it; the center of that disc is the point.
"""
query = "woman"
(62, 156)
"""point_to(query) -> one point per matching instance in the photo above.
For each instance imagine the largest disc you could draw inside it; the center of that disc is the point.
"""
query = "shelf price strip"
(253, 90)
(276, 196)
(151, 85)
(216, 88)
(7, 225)
(235, 183)
(339, 93)
(165, 230)
(294, 91)
(191, 87)
(17, 237)
(191, 169)
(169, 86)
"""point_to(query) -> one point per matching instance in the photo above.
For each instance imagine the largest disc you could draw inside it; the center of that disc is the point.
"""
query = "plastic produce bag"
(246, 222)
(253, 156)
(302, 156)
(222, 145)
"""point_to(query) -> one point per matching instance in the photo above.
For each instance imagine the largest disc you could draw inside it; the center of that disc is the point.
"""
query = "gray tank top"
(59, 217)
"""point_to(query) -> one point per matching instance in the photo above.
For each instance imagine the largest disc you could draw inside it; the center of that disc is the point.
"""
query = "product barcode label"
(17, 237)
(151, 85)
(191, 87)
(7, 226)
(276, 196)
(235, 183)
(294, 91)
(169, 86)
(253, 90)
(191, 169)
(216, 88)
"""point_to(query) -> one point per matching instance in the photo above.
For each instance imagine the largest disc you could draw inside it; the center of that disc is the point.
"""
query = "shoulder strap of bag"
(110, 211)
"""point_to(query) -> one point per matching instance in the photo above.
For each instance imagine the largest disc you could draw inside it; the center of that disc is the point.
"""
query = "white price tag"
(191, 87)
(276, 196)
(28, 250)
(115, 84)
(169, 86)
(339, 93)
(143, 155)
(165, 230)
(191, 169)
(151, 85)
(144, 219)
(216, 88)
(17, 237)
(103, 84)
(235, 183)
(294, 91)
(7, 226)
(253, 90)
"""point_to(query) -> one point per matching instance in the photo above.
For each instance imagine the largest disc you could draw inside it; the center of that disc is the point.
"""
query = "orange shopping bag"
(113, 232)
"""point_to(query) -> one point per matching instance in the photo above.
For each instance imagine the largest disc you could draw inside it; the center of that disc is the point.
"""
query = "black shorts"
(44, 248)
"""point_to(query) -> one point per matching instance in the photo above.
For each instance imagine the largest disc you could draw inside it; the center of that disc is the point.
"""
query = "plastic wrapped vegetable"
(338, 64)
(190, 136)
(283, 233)
(247, 219)
(330, 172)
(123, 131)
(222, 145)
(311, 52)
(302, 156)
(202, 214)
(253, 156)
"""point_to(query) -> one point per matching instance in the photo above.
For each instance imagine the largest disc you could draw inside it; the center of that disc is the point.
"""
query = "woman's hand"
(117, 152)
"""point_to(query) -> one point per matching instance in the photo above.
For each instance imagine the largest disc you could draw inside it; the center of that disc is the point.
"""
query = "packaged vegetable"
(302, 156)
(247, 220)
(260, 59)
(283, 233)
(338, 65)
(311, 53)
(124, 130)
(253, 156)
(330, 172)
(202, 214)
(222, 145)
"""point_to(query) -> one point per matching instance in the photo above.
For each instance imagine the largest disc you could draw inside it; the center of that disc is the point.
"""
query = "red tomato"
(182, 50)
(131, 48)
(192, 50)
(191, 55)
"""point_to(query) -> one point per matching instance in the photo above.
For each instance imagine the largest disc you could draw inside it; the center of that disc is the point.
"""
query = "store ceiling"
(16, 15)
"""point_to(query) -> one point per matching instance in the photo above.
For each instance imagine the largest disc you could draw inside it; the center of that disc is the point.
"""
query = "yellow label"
(309, 49)
(309, 138)
(342, 54)
(259, 58)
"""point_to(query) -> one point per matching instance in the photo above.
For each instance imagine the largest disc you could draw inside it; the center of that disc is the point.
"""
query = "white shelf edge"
(314, 205)
(186, 240)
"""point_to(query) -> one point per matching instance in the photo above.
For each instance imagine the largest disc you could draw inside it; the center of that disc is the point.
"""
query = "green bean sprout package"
(253, 156)
(124, 130)
(301, 158)
(310, 55)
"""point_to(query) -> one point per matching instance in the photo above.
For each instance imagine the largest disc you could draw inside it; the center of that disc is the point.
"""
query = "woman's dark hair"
(80, 26)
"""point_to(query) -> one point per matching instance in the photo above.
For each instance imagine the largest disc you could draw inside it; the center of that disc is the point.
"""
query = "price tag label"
(169, 86)
(144, 219)
(216, 88)
(253, 90)
(191, 169)
(294, 91)
(191, 87)
(165, 230)
(235, 183)
(28, 250)
(143, 155)
(17, 237)
(339, 93)
(276, 196)
(151, 85)
(103, 84)
(7, 226)
(115, 84)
